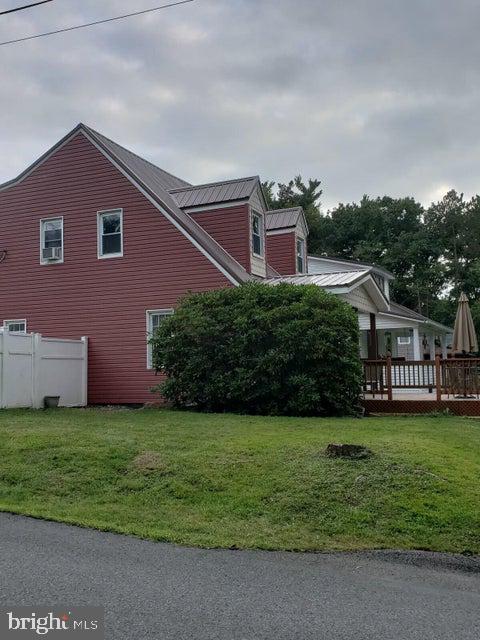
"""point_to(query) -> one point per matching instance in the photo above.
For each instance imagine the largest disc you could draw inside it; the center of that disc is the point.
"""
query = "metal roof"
(399, 310)
(283, 218)
(325, 280)
(404, 312)
(214, 192)
(339, 260)
(144, 169)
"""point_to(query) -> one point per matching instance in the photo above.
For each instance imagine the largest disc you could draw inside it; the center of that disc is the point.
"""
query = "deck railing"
(452, 376)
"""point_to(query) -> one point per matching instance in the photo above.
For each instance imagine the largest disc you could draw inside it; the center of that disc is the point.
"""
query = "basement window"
(154, 319)
(51, 240)
(15, 326)
(110, 233)
(300, 255)
(257, 234)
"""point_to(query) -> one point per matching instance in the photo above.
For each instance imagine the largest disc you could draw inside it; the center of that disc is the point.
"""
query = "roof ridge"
(298, 208)
(155, 166)
(212, 184)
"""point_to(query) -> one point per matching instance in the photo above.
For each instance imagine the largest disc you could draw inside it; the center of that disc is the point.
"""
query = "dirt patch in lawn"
(148, 462)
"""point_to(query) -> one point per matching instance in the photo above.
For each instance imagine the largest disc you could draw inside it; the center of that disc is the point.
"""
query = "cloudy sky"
(370, 96)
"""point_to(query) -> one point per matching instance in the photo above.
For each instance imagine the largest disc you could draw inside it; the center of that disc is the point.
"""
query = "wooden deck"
(451, 385)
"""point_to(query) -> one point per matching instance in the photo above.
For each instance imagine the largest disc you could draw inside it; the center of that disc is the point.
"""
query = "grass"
(247, 482)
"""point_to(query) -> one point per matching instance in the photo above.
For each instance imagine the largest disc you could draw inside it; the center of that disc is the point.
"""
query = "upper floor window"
(257, 233)
(15, 326)
(51, 240)
(110, 233)
(300, 255)
(380, 280)
(154, 319)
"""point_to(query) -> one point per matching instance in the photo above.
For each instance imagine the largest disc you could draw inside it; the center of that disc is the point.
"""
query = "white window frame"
(100, 214)
(6, 324)
(50, 262)
(302, 255)
(256, 214)
(148, 314)
(404, 340)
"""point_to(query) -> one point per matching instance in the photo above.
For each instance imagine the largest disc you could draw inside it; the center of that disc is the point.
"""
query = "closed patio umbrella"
(463, 374)
(464, 336)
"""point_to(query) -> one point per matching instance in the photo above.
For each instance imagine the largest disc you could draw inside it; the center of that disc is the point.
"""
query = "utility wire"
(91, 24)
(27, 6)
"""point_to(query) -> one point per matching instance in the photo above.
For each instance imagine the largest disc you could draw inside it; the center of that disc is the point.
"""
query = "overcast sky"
(370, 96)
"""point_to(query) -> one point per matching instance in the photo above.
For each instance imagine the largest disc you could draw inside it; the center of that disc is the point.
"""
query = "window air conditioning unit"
(52, 253)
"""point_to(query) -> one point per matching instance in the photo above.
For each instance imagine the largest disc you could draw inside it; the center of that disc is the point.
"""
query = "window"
(110, 233)
(154, 318)
(300, 255)
(404, 340)
(380, 280)
(257, 233)
(15, 326)
(51, 240)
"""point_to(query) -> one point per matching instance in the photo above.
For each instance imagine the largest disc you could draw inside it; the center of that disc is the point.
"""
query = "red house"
(97, 241)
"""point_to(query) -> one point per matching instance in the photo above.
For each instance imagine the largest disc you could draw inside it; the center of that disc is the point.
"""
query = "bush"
(260, 349)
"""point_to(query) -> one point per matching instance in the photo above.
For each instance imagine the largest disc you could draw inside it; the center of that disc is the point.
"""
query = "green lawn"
(240, 481)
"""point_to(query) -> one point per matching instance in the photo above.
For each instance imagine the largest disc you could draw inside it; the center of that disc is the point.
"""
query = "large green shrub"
(284, 349)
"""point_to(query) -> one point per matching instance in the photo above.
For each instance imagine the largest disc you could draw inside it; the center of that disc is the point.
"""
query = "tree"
(454, 223)
(389, 232)
(278, 350)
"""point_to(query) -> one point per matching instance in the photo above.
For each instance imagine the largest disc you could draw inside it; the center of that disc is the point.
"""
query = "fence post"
(438, 378)
(389, 378)
(6, 382)
(2, 369)
(37, 400)
(85, 372)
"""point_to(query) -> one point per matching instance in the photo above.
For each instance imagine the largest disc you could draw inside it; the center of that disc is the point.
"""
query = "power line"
(92, 24)
(27, 6)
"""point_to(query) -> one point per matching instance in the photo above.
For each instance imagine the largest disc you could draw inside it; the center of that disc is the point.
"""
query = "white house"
(386, 327)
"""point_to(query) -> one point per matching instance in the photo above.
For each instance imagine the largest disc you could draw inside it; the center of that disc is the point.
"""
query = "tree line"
(433, 252)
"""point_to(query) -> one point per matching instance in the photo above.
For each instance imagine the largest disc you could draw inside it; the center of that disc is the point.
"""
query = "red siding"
(105, 300)
(230, 228)
(281, 253)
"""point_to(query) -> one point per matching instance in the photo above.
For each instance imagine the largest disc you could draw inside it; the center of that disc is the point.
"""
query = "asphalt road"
(163, 592)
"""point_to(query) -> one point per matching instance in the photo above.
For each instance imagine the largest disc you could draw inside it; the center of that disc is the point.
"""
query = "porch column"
(416, 344)
(431, 343)
(373, 341)
(443, 344)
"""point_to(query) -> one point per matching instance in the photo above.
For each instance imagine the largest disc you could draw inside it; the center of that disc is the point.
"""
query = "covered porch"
(403, 334)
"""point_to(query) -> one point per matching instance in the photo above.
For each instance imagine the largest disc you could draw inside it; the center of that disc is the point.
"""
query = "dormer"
(233, 213)
(287, 233)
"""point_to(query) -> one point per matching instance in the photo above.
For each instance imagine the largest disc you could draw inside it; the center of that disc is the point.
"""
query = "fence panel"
(32, 367)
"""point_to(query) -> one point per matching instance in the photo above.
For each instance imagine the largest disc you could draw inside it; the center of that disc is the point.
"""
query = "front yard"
(240, 481)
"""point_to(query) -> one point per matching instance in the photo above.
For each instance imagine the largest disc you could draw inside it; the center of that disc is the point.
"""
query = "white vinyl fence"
(32, 367)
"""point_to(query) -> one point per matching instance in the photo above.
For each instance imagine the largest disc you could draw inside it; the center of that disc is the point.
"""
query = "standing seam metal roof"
(225, 191)
(322, 280)
(404, 312)
(283, 218)
(144, 169)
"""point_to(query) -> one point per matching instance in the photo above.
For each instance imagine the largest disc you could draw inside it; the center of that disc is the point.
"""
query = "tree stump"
(353, 451)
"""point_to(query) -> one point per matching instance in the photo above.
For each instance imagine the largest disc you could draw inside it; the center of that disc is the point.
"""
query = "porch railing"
(452, 376)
